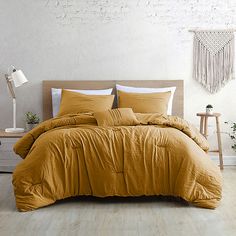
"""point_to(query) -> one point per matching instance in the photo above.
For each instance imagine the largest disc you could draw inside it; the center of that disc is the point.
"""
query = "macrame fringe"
(213, 71)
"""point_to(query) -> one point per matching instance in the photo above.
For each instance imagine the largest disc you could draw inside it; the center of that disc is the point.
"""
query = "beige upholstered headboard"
(178, 103)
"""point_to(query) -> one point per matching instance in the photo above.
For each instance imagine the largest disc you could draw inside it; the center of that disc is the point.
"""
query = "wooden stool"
(204, 131)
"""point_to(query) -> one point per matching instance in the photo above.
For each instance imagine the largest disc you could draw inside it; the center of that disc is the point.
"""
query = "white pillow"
(150, 90)
(56, 96)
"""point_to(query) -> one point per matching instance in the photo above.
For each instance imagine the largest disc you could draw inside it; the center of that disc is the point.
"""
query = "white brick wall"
(110, 39)
(176, 14)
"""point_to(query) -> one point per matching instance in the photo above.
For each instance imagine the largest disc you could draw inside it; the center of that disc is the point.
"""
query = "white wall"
(109, 39)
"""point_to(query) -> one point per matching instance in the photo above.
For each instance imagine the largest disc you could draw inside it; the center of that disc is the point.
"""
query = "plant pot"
(30, 126)
(209, 110)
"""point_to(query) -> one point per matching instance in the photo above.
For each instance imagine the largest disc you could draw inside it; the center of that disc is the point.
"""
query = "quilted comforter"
(72, 156)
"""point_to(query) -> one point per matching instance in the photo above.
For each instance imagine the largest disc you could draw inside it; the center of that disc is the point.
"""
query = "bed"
(71, 155)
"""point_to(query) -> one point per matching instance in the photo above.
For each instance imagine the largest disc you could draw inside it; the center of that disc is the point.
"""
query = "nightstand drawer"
(8, 159)
(6, 149)
(8, 155)
(9, 165)
(6, 144)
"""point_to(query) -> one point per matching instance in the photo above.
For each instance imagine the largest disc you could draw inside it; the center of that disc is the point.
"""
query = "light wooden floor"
(124, 217)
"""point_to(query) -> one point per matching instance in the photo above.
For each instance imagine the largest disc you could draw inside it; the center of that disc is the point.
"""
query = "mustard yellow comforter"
(71, 156)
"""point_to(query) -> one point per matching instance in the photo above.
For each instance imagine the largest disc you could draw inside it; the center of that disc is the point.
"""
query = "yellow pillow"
(73, 103)
(116, 117)
(145, 102)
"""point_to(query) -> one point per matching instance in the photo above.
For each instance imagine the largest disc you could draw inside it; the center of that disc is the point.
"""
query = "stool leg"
(201, 125)
(206, 127)
(219, 143)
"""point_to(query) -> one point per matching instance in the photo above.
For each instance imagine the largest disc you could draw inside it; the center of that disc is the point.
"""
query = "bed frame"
(178, 103)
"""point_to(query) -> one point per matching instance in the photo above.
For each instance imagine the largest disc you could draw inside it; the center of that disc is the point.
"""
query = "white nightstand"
(8, 159)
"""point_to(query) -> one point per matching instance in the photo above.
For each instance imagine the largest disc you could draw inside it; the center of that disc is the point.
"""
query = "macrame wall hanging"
(213, 58)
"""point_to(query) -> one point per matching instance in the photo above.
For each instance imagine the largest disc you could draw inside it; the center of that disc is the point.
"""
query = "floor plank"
(148, 216)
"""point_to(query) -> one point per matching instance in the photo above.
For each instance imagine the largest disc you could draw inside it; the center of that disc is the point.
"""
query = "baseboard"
(228, 160)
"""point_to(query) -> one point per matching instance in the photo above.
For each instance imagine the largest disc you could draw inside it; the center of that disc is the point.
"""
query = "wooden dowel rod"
(220, 30)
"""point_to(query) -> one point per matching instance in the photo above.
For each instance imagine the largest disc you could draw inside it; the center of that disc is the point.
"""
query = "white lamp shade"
(18, 78)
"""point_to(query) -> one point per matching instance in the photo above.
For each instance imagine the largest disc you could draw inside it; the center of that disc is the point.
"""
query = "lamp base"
(14, 130)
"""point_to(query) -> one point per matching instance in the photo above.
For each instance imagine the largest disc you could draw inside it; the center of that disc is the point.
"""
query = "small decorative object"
(32, 120)
(18, 79)
(232, 134)
(209, 109)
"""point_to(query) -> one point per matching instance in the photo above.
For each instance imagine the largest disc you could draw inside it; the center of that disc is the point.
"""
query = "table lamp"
(18, 78)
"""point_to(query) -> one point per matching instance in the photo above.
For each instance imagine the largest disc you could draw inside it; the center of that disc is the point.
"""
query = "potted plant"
(32, 120)
(209, 109)
(232, 134)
